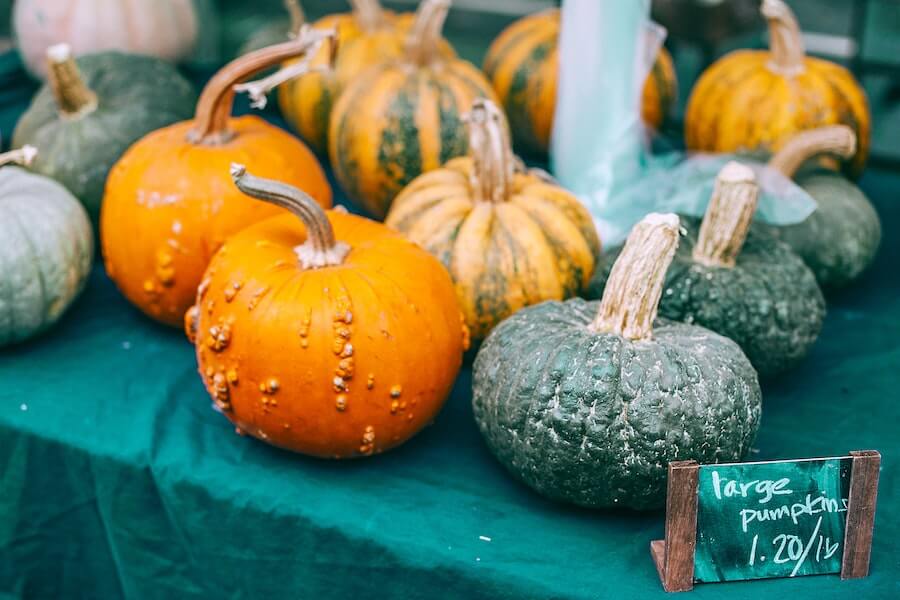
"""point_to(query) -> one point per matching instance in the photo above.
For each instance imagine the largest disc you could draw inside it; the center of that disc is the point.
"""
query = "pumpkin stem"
(631, 298)
(785, 40)
(23, 156)
(215, 104)
(728, 216)
(831, 139)
(297, 16)
(425, 36)
(73, 97)
(320, 248)
(368, 14)
(258, 90)
(493, 162)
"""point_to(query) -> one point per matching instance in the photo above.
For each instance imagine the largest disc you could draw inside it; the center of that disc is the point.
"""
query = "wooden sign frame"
(674, 556)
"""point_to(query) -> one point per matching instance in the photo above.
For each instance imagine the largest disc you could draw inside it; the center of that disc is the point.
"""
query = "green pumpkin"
(740, 281)
(86, 116)
(588, 402)
(46, 248)
(840, 239)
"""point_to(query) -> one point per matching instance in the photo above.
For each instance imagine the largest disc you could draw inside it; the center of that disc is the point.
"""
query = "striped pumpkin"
(756, 100)
(508, 237)
(403, 117)
(522, 64)
(368, 35)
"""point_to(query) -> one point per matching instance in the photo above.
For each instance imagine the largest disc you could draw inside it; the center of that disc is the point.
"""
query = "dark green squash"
(840, 239)
(740, 281)
(587, 402)
(87, 115)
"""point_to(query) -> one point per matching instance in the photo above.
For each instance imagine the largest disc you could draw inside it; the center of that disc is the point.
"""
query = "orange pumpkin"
(326, 334)
(169, 205)
(756, 100)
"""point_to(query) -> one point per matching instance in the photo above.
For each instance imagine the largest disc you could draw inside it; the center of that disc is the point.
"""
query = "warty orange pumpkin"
(508, 236)
(523, 66)
(402, 118)
(169, 205)
(756, 100)
(325, 333)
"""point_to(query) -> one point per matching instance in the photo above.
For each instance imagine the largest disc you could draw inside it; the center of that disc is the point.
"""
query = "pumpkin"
(169, 204)
(840, 239)
(46, 251)
(163, 28)
(509, 239)
(740, 281)
(326, 334)
(588, 402)
(402, 118)
(277, 31)
(522, 64)
(755, 100)
(91, 110)
(368, 36)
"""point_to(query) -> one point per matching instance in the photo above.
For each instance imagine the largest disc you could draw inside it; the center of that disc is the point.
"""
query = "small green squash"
(46, 249)
(840, 239)
(588, 402)
(89, 113)
(740, 281)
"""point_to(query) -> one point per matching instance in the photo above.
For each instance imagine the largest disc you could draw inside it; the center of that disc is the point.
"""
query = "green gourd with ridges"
(46, 249)
(92, 109)
(588, 402)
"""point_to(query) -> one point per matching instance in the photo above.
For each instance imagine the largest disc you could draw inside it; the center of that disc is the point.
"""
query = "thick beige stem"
(785, 40)
(424, 39)
(73, 97)
(493, 163)
(635, 284)
(320, 248)
(728, 217)
(839, 140)
(258, 90)
(298, 17)
(23, 156)
(368, 14)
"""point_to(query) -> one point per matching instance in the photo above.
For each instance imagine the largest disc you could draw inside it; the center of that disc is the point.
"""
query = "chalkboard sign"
(786, 518)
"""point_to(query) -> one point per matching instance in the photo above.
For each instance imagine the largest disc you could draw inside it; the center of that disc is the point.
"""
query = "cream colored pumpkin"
(163, 28)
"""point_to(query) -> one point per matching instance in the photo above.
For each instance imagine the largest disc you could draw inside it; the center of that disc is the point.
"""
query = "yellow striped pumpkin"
(367, 36)
(403, 117)
(756, 100)
(508, 236)
(522, 64)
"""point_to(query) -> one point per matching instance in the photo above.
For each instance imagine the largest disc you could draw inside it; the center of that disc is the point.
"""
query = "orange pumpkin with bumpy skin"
(523, 66)
(169, 204)
(756, 100)
(326, 334)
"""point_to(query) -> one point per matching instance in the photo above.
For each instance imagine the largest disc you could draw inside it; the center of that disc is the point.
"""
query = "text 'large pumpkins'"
(326, 334)
(508, 237)
(753, 100)
(169, 203)
(523, 66)
(403, 117)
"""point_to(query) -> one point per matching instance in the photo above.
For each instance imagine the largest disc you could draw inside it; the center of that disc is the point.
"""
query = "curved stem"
(634, 287)
(73, 97)
(728, 216)
(493, 162)
(320, 248)
(23, 156)
(258, 90)
(215, 104)
(297, 16)
(832, 139)
(425, 36)
(785, 40)
(368, 14)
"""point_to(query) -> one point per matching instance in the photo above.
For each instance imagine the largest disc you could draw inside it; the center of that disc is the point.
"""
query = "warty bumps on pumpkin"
(325, 333)
(170, 204)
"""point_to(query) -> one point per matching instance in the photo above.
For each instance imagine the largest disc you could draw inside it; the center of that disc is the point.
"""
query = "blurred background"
(864, 35)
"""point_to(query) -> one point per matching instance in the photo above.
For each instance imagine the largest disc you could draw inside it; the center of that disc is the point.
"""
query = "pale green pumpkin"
(46, 248)
(87, 115)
